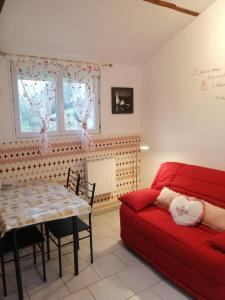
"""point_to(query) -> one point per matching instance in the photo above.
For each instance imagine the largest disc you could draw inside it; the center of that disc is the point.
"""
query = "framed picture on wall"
(122, 100)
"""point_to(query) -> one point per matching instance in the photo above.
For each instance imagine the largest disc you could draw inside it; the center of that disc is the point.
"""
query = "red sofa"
(192, 257)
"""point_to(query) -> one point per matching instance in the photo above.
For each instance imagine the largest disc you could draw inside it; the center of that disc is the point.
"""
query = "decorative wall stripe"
(21, 161)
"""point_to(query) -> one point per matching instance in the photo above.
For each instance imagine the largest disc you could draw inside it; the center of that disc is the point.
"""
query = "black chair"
(56, 230)
(26, 237)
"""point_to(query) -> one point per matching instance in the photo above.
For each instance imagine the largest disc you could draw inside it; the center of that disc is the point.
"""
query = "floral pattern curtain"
(88, 75)
(38, 81)
(37, 78)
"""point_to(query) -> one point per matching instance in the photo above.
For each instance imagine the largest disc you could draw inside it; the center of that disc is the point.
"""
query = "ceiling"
(195, 5)
(117, 31)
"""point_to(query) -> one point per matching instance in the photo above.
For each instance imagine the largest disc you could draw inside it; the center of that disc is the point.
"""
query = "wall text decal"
(211, 79)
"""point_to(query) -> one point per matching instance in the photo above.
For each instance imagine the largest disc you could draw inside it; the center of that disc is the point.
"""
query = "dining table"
(37, 202)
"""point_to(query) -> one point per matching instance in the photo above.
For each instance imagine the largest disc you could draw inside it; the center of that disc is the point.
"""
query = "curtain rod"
(4, 53)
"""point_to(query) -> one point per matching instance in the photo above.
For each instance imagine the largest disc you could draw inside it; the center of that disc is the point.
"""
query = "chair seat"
(64, 227)
(27, 236)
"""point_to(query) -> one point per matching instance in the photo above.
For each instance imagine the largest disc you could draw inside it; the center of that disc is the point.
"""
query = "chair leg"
(48, 242)
(78, 242)
(60, 257)
(3, 276)
(43, 260)
(34, 254)
(75, 246)
(91, 246)
(91, 240)
(17, 265)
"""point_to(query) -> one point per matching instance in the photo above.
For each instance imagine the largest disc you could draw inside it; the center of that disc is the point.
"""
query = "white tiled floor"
(116, 274)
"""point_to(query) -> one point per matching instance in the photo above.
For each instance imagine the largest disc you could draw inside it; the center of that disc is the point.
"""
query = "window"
(29, 120)
(43, 93)
(78, 93)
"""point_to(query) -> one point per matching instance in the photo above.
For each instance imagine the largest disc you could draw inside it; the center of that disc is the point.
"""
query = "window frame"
(60, 124)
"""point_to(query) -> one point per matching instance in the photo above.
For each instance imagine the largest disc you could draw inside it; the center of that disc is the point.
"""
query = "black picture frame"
(122, 100)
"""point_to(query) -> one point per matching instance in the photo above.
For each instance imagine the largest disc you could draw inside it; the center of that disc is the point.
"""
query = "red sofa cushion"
(180, 242)
(140, 199)
(200, 182)
(166, 174)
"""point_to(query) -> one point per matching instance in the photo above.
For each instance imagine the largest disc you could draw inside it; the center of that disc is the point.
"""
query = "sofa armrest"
(218, 241)
(140, 199)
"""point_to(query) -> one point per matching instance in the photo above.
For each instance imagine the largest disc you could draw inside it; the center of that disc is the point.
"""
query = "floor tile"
(86, 277)
(116, 237)
(83, 294)
(107, 265)
(146, 294)
(115, 224)
(168, 291)
(50, 290)
(111, 288)
(103, 231)
(13, 296)
(67, 249)
(100, 220)
(106, 245)
(113, 213)
(139, 277)
(52, 268)
(84, 252)
(30, 276)
(127, 256)
(114, 217)
(82, 263)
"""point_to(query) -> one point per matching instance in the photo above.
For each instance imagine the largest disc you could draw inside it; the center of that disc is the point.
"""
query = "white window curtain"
(37, 78)
(83, 104)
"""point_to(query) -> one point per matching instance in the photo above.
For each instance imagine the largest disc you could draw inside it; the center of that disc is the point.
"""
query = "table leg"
(75, 245)
(17, 266)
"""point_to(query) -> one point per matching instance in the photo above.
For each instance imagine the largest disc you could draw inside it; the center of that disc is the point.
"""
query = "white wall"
(180, 122)
(6, 107)
(120, 76)
(117, 76)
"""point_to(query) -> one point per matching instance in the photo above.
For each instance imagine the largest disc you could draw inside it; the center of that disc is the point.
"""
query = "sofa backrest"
(200, 182)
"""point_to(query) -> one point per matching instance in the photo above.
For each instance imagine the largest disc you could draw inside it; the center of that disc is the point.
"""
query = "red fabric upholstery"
(200, 182)
(140, 199)
(211, 263)
(218, 241)
(196, 283)
(193, 257)
(165, 175)
(183, 241)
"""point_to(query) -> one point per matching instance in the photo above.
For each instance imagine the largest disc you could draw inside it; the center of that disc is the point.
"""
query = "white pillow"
(187, 212)
(214, 217)
(165, 197)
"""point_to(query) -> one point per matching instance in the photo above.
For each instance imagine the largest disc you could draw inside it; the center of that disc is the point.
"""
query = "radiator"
(103, 173)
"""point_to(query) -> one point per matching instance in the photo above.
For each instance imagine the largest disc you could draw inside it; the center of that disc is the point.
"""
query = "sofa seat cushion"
(178, 241)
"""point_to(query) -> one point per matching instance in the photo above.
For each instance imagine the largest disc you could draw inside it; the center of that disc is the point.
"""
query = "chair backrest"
(86, 190)
(72, 180)
(81, 186)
